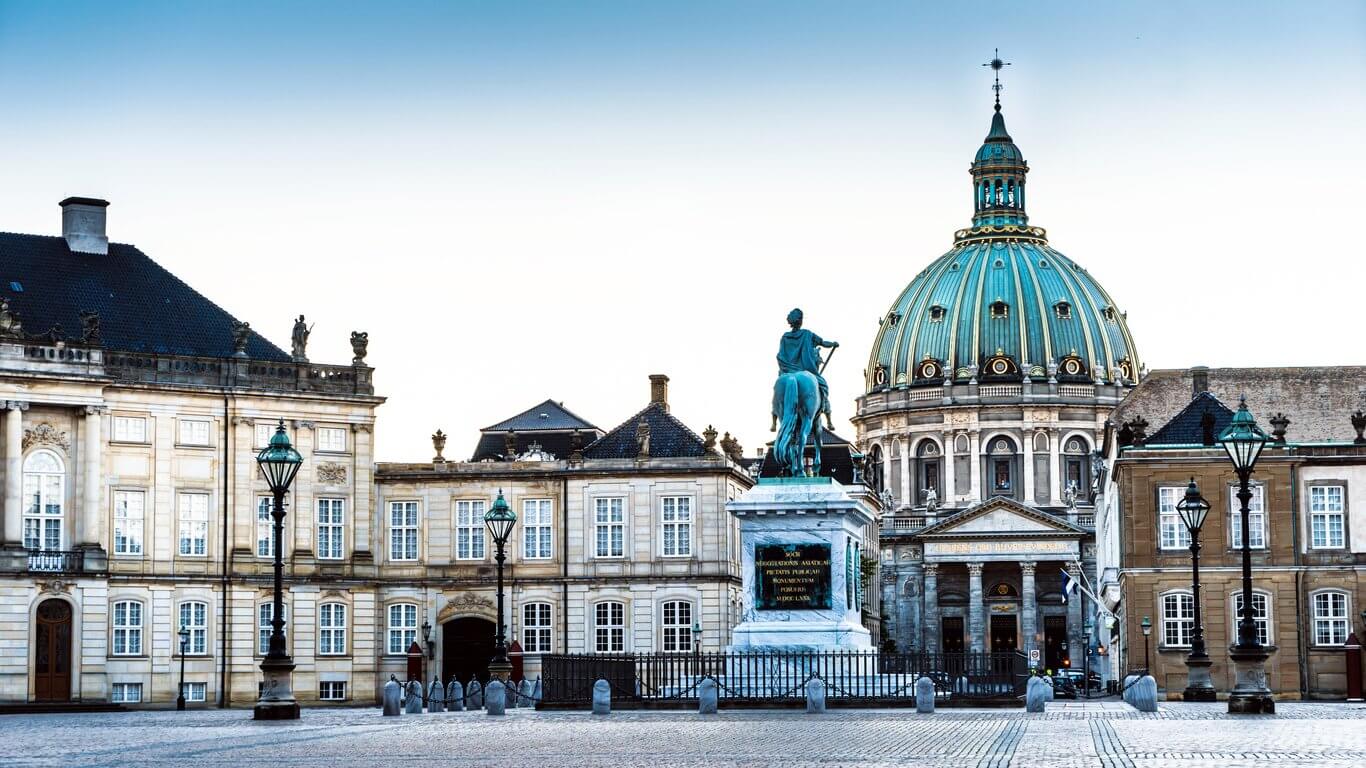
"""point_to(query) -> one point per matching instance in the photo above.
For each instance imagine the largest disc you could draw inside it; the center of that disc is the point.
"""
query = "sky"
(521, 201)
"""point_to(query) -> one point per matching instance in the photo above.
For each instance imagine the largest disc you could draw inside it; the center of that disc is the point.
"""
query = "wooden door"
(52, 651)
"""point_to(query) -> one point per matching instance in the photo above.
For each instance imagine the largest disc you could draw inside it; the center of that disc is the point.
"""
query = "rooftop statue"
(800, 396)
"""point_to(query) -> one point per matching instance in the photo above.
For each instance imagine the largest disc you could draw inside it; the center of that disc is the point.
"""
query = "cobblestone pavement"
(1089, 734)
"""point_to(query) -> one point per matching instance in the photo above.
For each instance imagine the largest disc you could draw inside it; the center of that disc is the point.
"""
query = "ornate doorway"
(1003, 633)
(1055, 642)
(466, 647)
(52, 651)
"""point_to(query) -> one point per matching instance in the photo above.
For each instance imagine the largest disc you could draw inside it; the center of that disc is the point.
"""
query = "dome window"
(999, 263)
(1063, 310)
(936, 313)
(880, 375)
(1072, 367)
(929, 368)
(1110, 314)
(999, 310)
(1043, 263)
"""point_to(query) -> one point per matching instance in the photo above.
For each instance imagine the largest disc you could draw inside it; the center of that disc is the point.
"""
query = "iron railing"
(54, 561)
(851, 677)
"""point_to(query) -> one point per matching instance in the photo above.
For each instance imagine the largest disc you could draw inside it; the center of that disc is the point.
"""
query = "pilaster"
(976, 609)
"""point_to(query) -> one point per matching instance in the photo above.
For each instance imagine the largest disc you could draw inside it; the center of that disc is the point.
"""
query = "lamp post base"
(500, 670)
(1199, 686)
(277, 696)
(1250, 695)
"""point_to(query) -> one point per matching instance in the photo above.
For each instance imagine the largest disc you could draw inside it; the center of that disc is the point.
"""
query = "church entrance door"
(1004, 636)
(52, 652)
(1054, 642)
(466, 647)
(952, 634)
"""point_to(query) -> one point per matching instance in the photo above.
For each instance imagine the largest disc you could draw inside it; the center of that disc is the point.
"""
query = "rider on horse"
(797, 352)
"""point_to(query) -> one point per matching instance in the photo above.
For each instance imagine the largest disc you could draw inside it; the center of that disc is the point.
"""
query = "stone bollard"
(494, 701)
(924, 696)
(510, 694)
(436, 697)
(413, 705)
(1034, 694)
(602, 698)
(815, 696)
(1144, 698)
(476, 698)
(1050, 692)
(393, 698)
(524, 693)
(706, 697)
(536, 692)
(455, 696)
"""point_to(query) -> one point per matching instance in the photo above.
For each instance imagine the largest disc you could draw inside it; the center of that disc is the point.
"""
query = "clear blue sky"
(522, 200)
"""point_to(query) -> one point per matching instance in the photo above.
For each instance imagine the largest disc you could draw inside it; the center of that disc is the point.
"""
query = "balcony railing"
(55, 561)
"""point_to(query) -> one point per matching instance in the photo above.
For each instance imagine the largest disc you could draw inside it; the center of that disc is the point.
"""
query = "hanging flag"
(1069, 585)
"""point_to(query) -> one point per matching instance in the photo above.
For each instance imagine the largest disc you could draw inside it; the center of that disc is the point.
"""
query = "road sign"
(1034, 657)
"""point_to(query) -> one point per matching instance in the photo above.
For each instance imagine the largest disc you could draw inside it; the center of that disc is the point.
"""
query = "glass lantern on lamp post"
(184, 646)
(500, 520)
(279, 463)
(1193, 509)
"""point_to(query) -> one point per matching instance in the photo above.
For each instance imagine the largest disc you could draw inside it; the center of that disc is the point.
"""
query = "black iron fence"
(851, 677)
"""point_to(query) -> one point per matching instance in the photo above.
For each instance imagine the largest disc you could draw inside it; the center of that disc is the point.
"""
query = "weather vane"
(996, 65)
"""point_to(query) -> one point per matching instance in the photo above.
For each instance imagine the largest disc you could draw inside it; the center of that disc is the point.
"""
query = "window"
(332, 439)
(936, 314)
(1256, 519)
(1063, 310)
(402, 627)
(1076, 466)
(609, 627)
(265, 430)
(609, 527)
(194, 432)
(536, 529)
(194, 616)
(469, 529)
(130, 429)
(403, 530)
(265, 612)
(1326, 515)
(128, 513)
(1330, 618)
(194, 691)
(999, 310)
(332, 628)
(332, 690)
(1178, 619)
(127, 628)
(265, 527)
(1260, 615)
(44, 498)
(194, 524)
(676, 520)
(1174, 534)
(536, 628)
(677, 626)
(125, 693)
(331, 513)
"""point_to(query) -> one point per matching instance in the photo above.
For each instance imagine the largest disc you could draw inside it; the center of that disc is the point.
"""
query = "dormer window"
(1063, 310)
(1110, 314)
(999, 310)
(936, 313)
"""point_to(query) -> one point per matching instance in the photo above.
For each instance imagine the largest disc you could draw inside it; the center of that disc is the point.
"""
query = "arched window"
(999, 310)
(609, 627)
(930, 460)
(536, 628)
(1063, 310)
(194, 617)
(677, 626)
(402, 628)
(1178, 619)
(44, 500)
(1076, 465)
(332, 628)
(1001, 461)
(1261, 614)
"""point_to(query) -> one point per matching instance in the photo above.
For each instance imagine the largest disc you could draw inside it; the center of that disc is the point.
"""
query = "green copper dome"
(1002, 305)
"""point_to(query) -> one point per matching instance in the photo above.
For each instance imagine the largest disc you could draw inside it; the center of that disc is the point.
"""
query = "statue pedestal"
(801, 542)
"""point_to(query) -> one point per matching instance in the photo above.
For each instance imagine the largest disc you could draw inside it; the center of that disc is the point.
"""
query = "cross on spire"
(997, 65)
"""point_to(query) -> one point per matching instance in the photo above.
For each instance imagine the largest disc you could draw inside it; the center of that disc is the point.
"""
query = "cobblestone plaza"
(1070, 734)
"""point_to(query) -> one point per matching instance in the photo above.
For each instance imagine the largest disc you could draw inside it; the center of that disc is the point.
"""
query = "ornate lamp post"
(279, 462)
(1193, 510)
(1243, 441)
(184, 646)
(500, 519)
(1147, 625)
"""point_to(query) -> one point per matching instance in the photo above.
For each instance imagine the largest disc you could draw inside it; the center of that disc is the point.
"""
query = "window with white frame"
(1174, 534)
(1261, 615)
(194, 524)
(609, 627)
(332, 628)
(129, 508)
(194, 616)
(1256, 519)
(194, 691)
(130, 429)
(536, 628)
(265, 430)
(1327, 515)
(125, 693)
(194, 432)
(44, 500)
(1178, 619)
(331, 527)
(332, 439)
(677, 625)
(1330, 618)
(332, 690)
(265, 613)
(265, 527)
(676, 525)
(403, 530)
(402, 628)
(126, 619)
(609, 527)
(469, 529)
(536, 527)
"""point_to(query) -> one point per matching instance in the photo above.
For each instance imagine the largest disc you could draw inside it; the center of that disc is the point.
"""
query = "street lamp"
(1090, 627)
(427, 639)
(1193, 509)
(500, 519)
(1243, 441)
(1147, 625)
(279, 463)
(184, 646)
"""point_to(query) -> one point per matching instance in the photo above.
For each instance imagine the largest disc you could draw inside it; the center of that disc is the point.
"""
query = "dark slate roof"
(669, 437)
(546, 415)
(1187, 427)
(142, 307)
(557, 443)
(837, 459)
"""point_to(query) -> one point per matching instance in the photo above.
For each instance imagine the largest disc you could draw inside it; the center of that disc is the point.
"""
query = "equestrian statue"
(800, 396)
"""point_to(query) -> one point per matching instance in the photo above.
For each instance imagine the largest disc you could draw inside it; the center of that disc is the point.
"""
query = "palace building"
(988, 387)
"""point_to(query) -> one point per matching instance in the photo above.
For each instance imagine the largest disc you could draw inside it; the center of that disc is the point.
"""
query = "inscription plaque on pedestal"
(792, 577)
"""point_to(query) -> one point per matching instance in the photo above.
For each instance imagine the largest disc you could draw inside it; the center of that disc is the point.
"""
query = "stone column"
(1027, 464)
(89, 534)
(1054, 474)
(947, 493)
(1029, 606)
(14, 468)
(1076, 637)
(976, 609)
(931, 621)
(975, 465)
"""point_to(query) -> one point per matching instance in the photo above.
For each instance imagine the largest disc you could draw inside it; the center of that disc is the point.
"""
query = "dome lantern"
(998, 170)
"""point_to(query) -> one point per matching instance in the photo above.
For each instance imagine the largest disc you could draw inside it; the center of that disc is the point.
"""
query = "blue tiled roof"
(669, 437)
(1185, 428)
(142, 306)
(548, 415)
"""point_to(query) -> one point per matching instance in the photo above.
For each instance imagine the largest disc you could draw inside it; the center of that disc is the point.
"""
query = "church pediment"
(1001, 517)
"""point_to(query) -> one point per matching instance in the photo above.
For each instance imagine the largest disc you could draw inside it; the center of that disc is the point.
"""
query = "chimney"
(659, 390)
(83, 225)
(1199, 380)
